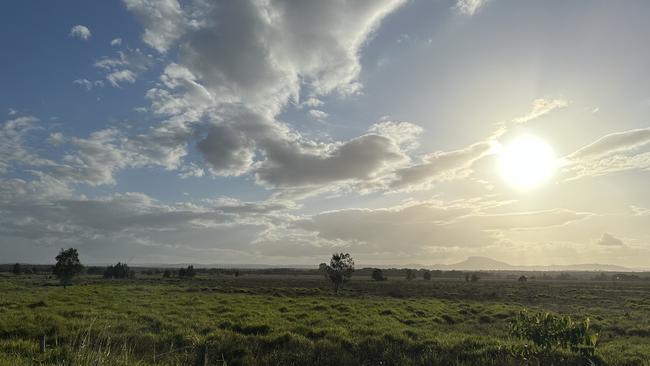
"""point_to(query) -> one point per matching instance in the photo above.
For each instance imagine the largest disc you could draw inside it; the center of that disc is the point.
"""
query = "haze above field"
(279, 132)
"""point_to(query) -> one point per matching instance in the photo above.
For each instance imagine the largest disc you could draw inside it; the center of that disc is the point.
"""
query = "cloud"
(125, 67)
(289, 164)
(45, 212)
(318, 114)
(116, 42)
(191, 171)
(612, 143)
(311, 102)
(89, 85)
(13, 150)
(439, 166)
(469, 7)
(164, 21)
(240, 62)
(81, 32)
(121, 76)
(540, 108)
(615, 152)
(610, 240)
(56, 139)
(266, 50)
(450, 165)
(415, 228)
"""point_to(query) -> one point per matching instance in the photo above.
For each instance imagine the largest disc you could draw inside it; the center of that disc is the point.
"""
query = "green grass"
(295, 320)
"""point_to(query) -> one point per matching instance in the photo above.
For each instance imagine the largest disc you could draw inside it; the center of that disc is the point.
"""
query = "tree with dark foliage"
(67, 266)
(378, 275)
(167, 274)
(339, 270)
(188, 272)
(410, 274)
(426, 275)
(120, 270)
(17, 270)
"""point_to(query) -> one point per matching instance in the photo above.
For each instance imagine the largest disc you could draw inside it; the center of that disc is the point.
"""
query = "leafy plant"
(410, 274)
(378, 275)
(67, 265)
(549, 332)
(339, 270)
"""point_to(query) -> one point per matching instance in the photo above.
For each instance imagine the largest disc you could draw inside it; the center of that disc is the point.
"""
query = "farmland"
(266, 319)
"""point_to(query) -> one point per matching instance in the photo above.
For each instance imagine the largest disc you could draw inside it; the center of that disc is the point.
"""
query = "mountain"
(488, 264)
(477, 263)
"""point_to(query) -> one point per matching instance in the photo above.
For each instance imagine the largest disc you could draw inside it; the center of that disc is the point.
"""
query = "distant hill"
(489, 264)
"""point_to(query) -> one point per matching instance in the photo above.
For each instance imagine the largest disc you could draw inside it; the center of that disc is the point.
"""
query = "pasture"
(297, 320)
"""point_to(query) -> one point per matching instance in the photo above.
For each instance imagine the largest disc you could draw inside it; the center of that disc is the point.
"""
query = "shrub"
(378, 275)
(426, 275)
(410, 274)
(120, 270)
(67, 265)
(188, 272)
(549, 332)
(339, 270)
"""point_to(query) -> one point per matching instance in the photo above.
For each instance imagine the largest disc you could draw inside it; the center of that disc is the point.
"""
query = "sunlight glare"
(526, 162)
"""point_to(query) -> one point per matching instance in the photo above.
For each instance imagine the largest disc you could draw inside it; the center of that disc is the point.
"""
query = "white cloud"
(125, 67)
(612, 143)
(81, 32)
(13, 151)
(116, 42)
(240, 63)
(56, 139)
(89, 85)
(318, 114)
(191, 171)
(615, 152)
(12, 112)
(610, 240)
(312, 102)
(413, 229)
(469, 7)
(439, 166)
(121, 76)
(164, 21)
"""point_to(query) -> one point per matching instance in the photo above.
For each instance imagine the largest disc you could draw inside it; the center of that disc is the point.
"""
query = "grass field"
(296, 320)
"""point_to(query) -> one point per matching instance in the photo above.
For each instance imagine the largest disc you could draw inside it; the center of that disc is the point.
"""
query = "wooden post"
(202, 356)
(41, 343)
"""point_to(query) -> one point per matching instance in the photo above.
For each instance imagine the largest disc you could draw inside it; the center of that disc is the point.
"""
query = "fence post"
(41, 343)
(202, 356)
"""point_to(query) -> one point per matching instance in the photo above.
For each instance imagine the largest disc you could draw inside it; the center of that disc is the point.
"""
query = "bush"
(339, 270)
(426, 275)
(120, 270)
(67, 266)
(378, 275)
(410, 274)
(188, 272)
(549, 332)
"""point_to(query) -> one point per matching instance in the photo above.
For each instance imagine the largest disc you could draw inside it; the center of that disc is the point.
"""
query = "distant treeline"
(363, 272)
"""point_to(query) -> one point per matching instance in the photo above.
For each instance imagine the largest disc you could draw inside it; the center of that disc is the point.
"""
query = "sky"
(280, 131)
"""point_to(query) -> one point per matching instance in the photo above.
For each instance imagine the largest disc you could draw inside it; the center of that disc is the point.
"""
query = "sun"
(526, 162)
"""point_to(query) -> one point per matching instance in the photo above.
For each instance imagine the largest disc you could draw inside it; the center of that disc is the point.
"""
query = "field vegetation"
(277, 317)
